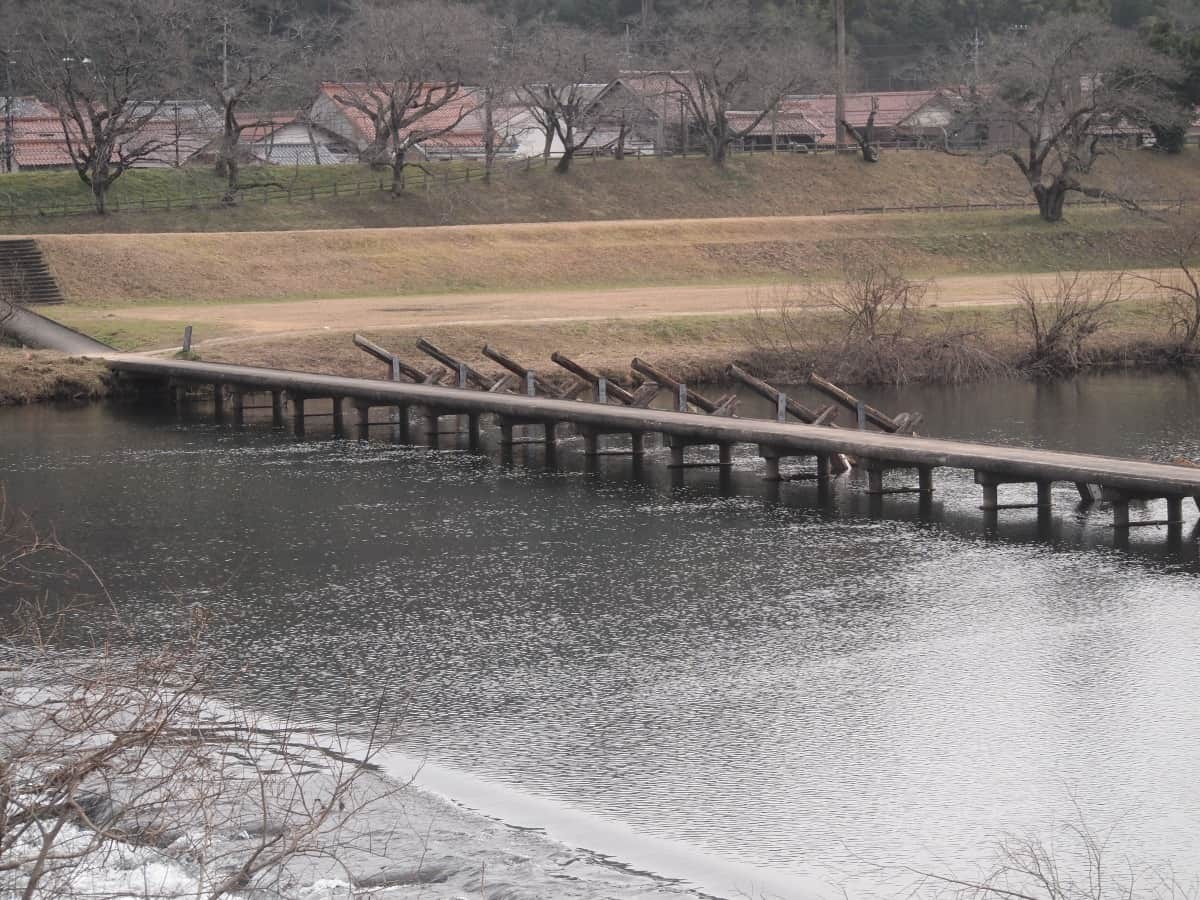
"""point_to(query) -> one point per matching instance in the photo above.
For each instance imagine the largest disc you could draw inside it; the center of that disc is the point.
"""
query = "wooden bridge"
(1120, 480)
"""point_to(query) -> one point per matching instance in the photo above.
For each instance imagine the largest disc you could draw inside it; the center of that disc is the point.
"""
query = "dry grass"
(31, 376)
(165, 268)
(699, 348)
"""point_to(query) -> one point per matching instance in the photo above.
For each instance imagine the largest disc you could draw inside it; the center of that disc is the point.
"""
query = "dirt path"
(243, 320)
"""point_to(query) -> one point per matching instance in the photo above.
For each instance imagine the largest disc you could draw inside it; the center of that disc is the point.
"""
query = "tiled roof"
(784, 123)
(894, 108)
(260, 126)
(456, 114)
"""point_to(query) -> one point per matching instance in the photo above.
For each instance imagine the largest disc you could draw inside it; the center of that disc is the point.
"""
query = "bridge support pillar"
(990, 482)
(637, 445)
(238, 399)
(218, 390)
(473, 430)
(773, 457)
(1121, 499)
(430, 424)
(277, 408)
(877, 467)
(297, 415)
(591, 442)
(364, 422)
(339, 424)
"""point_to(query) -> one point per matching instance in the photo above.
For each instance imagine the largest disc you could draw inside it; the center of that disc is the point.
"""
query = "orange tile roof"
(455, 115)
(894, 108)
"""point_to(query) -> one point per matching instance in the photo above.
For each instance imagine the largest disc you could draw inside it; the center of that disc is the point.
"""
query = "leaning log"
(724, 406)
(454, 365)
(760, 387)
(614, 390)
(412, 374)
(880, 419)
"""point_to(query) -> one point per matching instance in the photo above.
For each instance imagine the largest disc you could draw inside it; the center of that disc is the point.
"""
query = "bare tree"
(566, 69)
(1060, 318)
(240, 62)
(1053, 99)
(107, 68)
(723, 55)
(495, 85)
(1181, 292)
(405, 63)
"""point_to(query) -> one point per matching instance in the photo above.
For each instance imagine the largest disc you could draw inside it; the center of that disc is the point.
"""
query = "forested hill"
(880, 30)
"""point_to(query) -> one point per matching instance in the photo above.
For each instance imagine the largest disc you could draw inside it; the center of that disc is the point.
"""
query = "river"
(803, 684)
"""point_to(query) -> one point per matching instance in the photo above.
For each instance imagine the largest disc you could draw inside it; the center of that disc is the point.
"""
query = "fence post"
(462, 375)
(530, 383)
(187, 339)
(602, 390)
(862, 416)
(683, 398)
(781, 407)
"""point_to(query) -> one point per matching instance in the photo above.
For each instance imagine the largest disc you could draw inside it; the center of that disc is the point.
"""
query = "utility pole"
(839, 7)
(225, 54)
(9, 112)
(976, 43)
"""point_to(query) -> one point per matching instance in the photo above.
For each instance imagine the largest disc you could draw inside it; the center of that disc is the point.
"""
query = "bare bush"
(875, 300)
(1060, 318)
(1074, 862)
(1181, 293)
(872, 327)
(121, 772)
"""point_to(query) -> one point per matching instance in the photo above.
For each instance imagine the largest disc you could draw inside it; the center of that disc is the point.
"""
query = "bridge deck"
(1132, 477)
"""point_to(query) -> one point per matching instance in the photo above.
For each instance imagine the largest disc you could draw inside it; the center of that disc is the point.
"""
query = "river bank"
(946, 345)
(41, 376)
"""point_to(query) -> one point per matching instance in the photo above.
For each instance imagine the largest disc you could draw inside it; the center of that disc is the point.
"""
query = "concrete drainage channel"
(25, 278)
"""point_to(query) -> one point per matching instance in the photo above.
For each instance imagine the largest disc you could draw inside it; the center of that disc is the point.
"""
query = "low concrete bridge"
(1120, 480)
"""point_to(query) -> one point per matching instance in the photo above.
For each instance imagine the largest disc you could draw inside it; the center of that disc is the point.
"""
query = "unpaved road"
(361, 313)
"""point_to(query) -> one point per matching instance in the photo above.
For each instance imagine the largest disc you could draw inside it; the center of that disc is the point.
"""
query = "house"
(782, 129)
(284, 139)
(458, 120)
(666, 104)
(902, 117)
(174, 132)
(35, 134)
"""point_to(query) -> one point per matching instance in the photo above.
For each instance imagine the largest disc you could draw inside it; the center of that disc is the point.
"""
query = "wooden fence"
(419, 180)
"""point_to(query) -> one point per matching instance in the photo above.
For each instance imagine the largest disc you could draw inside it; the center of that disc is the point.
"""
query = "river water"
(802, 684)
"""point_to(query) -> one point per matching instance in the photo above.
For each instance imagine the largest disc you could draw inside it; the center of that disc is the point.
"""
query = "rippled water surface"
(801, 681)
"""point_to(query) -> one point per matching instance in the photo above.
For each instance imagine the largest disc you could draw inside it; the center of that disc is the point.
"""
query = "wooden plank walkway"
(1121, 480)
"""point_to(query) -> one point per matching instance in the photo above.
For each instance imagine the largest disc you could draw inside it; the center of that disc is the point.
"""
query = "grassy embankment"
(760, 185)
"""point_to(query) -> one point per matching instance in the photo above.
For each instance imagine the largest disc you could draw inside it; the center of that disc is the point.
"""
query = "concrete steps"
(24, 275)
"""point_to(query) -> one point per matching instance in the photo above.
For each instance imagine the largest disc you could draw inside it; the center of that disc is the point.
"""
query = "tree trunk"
(227, 148)
(489, 139)
(549, 147)
(564, 161)
(1050, 200)
(398, 171)
(718, 149)
(100, 193)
